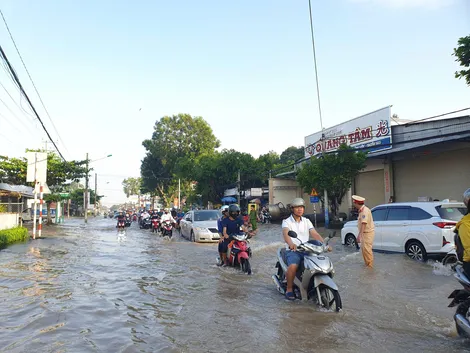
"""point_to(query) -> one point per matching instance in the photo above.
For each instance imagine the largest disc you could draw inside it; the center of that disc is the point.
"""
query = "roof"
(414, 135)
(421, 203)
(22, 190)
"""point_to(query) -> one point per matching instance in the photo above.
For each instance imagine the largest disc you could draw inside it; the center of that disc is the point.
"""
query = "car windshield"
(206, 216)
(451, 213)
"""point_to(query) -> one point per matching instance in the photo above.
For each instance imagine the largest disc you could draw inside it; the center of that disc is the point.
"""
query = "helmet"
(466, 197)
(224, 208)
(233, 211)
(297, 202)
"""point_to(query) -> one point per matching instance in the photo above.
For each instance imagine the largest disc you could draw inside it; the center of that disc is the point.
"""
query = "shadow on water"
(89, 289)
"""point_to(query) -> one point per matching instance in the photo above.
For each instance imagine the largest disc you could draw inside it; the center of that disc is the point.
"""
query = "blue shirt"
(233, 226)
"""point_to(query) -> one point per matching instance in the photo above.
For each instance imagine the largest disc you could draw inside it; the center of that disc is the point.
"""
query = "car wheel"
(416, 251)
(350, 240)
(192, 237)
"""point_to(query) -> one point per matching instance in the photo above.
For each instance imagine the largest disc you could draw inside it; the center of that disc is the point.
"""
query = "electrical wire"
(4, 57)
(31, 79)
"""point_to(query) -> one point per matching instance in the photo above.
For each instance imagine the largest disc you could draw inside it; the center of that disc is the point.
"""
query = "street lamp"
(86, 183)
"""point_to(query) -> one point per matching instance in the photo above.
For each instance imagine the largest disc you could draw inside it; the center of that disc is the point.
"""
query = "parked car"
(201, 226)
(418, 229)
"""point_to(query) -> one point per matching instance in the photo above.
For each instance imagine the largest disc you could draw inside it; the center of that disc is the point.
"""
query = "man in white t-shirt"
(305, 230)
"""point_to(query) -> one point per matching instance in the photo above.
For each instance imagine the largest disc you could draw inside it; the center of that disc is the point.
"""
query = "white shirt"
(145, 215)
(167, 217)
(302, 228)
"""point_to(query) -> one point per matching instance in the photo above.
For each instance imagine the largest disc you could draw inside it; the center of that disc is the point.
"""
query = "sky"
(108, 70)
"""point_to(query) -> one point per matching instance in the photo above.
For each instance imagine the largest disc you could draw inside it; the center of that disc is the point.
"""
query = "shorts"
(293, 257)
(223, 246)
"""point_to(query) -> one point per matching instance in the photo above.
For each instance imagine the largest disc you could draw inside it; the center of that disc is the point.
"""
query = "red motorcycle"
(167, 228)
(121, 225)
(240, 253)
(155, 224)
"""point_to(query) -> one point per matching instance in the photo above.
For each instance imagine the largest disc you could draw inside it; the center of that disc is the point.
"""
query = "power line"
(4, 57)
(31, 79)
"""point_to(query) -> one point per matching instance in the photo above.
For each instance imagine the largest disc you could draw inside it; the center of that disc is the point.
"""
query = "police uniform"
(367, 239)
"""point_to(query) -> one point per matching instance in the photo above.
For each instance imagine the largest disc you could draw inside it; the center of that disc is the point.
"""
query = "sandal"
(290, 295)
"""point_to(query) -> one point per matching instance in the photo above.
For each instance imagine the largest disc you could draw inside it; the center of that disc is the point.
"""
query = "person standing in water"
(365, 226)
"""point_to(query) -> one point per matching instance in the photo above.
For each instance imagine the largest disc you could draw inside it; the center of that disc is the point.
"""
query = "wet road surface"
(88, 290)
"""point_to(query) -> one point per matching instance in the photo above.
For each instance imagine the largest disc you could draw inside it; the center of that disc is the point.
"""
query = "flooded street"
(86, 290)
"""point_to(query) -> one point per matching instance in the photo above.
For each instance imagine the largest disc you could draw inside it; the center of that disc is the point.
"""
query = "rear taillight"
(444, 241)
(445, 225)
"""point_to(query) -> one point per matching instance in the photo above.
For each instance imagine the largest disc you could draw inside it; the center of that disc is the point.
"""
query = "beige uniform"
(365, 217)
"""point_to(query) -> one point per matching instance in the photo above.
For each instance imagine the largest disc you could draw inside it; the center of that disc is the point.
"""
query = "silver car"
(201, 226)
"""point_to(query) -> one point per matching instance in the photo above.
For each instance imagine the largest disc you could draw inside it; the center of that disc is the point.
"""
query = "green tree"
(292, 154)
(334, 172)
(131, 186)
(462, 54)
(177, 141)
(77, 196)
(59, 174)
(13, 170)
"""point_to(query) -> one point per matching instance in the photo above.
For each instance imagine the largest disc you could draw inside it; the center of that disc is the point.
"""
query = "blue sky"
(245, 66)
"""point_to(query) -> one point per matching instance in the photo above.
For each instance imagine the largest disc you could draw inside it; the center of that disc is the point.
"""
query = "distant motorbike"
(240, 253)
(314, 278)
(145, 223)
(265, 217)
(110, 215)
(134, 218)
(461, 297)
(121, 225)
(128, 222)
(155, 224)
(167, 228)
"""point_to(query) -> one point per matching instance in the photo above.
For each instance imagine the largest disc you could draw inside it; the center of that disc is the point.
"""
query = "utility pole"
(96, 181)
(179, 194)
(86, 190)
(238, 187)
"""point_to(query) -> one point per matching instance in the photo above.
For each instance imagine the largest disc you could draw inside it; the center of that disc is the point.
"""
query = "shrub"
(13, 235)
(3, 208)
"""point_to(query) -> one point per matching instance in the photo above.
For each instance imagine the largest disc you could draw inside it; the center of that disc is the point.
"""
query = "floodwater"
(88, 290)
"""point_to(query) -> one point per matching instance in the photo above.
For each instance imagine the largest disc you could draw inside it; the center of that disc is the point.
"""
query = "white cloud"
(409, 3)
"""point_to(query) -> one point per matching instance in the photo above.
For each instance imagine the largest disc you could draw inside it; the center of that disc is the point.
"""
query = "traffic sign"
(314, 193)
(314, 199)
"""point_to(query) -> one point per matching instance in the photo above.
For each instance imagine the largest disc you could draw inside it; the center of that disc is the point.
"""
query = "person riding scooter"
(305, 230)
(462, 239)
(121, 219)
(230, 226)
(222, 253)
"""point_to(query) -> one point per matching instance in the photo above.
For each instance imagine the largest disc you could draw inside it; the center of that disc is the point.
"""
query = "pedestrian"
(253, 216)
(365, 226)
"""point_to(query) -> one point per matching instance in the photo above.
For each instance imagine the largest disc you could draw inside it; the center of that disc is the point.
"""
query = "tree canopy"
(334, 172)
(131, 186)
(291, 155)
(462, 55)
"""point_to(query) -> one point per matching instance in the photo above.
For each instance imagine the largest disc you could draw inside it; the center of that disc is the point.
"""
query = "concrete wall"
(8, 220)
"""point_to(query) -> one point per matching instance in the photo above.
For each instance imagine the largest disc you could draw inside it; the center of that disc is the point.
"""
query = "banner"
(371, 132)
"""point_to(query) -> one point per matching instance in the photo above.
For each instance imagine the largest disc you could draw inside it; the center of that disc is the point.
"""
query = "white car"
(201, 226)
(419, 229)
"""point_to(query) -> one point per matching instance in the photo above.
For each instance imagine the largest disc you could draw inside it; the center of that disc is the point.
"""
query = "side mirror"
(292, 234)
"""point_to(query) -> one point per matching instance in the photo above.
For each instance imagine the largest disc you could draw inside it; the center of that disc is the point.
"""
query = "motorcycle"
(266, 217)
(145, 223)
(155, 224)
(167, 228)
(240, 253)
(121, 226)
(461, 297)
(134, 218)
(314, 277)
(128, 222)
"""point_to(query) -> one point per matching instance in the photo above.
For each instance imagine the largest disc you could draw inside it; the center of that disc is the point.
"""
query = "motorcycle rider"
(463, 230)
(222, 253)
(167, 217)
(120, 218)
(230, 226)
(305, 230)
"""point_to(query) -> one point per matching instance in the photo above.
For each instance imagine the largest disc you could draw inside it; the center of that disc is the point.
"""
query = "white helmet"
(224, 208)
(297, 202)
(466, 197)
